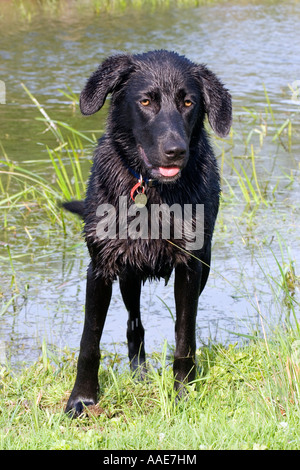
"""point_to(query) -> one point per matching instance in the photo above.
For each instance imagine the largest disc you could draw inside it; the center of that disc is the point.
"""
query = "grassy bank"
(26, 11)
(244, 398)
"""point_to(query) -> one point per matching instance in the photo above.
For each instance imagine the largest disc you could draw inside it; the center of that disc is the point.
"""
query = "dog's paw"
(76, 406)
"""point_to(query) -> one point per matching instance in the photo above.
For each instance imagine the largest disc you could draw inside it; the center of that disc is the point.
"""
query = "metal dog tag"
(140, 200)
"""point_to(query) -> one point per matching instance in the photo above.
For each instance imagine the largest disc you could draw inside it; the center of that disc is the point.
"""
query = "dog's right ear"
(104, 81)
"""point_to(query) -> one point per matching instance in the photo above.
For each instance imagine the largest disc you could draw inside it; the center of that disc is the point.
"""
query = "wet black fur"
(138, 140)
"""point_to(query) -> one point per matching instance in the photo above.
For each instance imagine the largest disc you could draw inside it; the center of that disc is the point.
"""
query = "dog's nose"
(175, 151)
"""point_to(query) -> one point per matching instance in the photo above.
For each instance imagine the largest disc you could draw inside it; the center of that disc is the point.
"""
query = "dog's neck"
(149, 181)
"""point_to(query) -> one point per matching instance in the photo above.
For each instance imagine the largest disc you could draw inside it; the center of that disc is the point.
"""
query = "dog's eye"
(145, 102)
(187, 103)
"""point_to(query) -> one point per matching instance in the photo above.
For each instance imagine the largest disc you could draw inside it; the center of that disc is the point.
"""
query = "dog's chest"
(140, 238)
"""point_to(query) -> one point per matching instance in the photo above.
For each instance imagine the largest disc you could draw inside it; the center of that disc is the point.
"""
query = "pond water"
(249, 45)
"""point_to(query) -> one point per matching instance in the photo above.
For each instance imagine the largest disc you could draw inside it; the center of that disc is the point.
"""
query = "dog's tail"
(77, 207)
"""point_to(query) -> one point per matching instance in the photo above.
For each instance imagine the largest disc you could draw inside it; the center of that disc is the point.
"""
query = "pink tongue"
(169, 171)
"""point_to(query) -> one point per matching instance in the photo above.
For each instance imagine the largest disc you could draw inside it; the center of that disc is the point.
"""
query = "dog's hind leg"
(130, 286)
(84, 393)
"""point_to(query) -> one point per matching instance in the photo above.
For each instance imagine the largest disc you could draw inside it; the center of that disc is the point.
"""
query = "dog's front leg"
(84, 393)
(187, 290)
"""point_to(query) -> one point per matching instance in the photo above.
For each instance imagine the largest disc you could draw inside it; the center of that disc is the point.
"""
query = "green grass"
(245, 397)
(28, 8)
(27, 11)
(21, 187)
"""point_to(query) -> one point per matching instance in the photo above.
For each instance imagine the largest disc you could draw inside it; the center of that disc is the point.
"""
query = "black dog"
(155, 145)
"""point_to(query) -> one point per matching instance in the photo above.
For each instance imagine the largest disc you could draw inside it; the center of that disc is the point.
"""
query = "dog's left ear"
(109, 75)
(217, 101)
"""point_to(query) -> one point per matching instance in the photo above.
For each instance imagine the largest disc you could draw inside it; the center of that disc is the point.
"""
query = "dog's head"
(159, 101)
